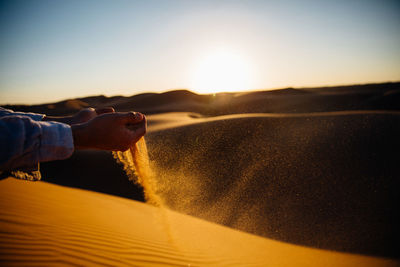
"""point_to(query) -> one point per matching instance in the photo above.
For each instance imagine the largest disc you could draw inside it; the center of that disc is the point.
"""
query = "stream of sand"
(136, 164)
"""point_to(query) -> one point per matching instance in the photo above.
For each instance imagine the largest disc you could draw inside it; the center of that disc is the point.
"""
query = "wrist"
(79, 136)
(66, 120)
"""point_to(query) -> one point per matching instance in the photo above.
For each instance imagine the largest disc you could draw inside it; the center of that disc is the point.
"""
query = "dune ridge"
(324, 179)
(206, 166)
(384, 96)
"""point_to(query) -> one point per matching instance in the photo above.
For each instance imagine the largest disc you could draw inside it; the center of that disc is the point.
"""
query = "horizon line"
(193, 91)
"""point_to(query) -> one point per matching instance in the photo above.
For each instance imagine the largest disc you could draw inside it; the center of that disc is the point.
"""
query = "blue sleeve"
(25, 142)
(8, 112)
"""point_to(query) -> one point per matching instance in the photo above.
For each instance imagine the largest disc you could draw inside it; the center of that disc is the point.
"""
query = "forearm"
(25, 142)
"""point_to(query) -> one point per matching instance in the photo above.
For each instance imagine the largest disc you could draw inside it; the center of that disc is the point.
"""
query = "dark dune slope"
(327, 181)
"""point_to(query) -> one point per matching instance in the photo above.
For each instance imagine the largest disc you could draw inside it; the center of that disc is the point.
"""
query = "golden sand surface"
(48, 225)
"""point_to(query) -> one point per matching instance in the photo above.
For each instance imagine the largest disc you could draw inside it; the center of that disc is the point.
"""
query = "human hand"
(115, 131)
(87, 114)
(82, 116)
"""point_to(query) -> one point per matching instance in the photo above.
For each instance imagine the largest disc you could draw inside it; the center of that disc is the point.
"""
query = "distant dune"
(384, 96)
(312, 167)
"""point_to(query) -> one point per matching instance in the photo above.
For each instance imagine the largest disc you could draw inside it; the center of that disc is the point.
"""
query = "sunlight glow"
(222, 71)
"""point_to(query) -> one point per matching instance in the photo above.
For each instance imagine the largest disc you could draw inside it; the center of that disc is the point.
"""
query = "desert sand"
(292, 177)
(44, 224)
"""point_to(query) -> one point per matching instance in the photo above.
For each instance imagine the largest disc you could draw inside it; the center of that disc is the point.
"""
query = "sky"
(57, 49)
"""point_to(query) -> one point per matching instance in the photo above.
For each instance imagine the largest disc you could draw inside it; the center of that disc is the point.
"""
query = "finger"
(131, 117)
(138, 126)
(100, 111)
(139, 131)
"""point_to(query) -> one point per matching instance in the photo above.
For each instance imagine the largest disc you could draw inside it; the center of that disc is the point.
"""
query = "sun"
(222, 71)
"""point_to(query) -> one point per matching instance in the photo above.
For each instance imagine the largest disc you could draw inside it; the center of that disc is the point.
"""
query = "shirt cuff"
(33, 116)
(56, 142)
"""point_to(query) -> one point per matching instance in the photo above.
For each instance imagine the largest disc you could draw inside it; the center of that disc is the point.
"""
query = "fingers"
(131, 117)
(137, 130)
(111, 131)
(100, 111)
(132, 126)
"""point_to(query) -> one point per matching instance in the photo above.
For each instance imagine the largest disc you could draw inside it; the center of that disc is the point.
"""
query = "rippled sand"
(43, 224)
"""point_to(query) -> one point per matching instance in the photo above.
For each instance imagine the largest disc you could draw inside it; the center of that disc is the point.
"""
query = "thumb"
(131, 117)
(100, 111)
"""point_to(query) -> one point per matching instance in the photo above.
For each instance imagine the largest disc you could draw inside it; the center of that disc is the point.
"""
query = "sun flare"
(222, 71)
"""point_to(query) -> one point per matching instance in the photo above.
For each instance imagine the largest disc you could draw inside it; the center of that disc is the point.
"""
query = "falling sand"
(136, 164)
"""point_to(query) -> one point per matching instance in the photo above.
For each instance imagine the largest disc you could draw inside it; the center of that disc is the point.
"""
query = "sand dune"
(311, 167)
(383, 96)
(170, 120)
(325, 180)
(43, 224)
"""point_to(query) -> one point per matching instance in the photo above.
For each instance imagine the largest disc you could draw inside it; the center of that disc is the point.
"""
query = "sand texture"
(43, 224)
(325, 180)
(292, 177)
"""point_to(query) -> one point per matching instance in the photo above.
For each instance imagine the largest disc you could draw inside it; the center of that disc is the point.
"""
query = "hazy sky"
(56, 49)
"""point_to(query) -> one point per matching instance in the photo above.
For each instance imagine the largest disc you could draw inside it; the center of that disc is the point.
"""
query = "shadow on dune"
(328, 181)
(91, 170)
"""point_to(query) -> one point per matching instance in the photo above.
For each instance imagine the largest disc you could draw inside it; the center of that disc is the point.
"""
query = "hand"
(115, 131)
(82, 116)
(87, 114)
